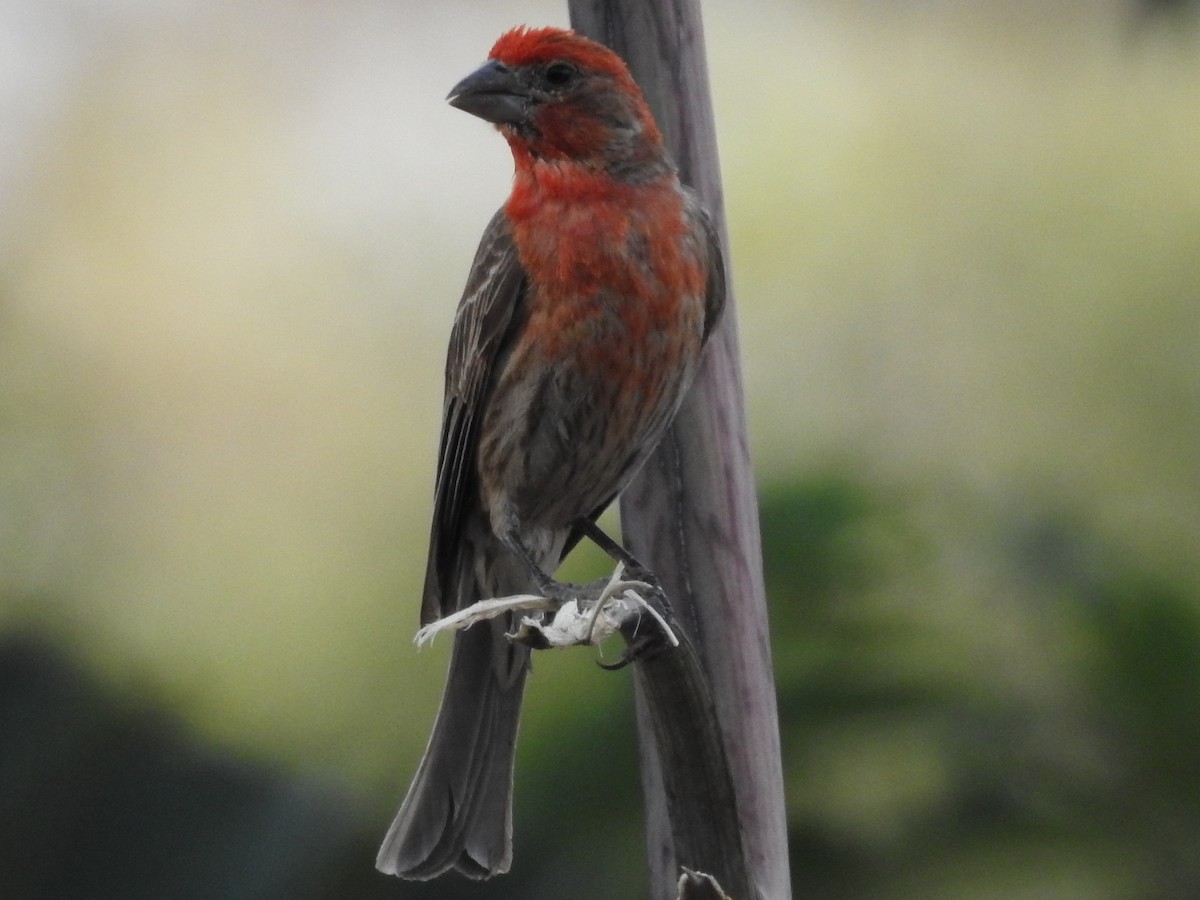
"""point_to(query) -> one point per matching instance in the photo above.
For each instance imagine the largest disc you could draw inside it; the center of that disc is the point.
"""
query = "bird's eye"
(560, 74)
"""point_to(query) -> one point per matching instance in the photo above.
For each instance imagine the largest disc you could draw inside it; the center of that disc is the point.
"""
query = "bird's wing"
(490, 311)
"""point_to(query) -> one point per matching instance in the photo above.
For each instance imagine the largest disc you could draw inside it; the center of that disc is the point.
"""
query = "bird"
(590, 300)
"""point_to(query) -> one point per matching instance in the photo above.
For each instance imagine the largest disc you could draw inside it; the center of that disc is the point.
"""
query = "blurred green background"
(966, 252)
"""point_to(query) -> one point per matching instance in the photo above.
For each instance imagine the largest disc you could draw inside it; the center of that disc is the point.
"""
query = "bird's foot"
(578, 614)
(597, 611)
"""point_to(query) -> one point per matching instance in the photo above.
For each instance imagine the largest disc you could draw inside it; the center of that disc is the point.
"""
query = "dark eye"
(560, 74)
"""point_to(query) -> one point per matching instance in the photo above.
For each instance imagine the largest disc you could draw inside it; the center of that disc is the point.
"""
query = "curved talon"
(626, 657)
(639, 649)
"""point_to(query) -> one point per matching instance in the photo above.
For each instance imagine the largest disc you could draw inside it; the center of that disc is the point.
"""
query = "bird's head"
(558, 96)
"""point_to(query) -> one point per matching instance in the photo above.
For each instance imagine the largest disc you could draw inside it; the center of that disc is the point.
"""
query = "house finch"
(587, 307)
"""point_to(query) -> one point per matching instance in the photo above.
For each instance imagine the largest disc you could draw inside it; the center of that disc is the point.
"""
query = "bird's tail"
(458, 812)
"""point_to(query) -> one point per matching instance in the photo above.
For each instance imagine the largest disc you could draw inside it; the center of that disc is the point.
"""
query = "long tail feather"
(458, 812)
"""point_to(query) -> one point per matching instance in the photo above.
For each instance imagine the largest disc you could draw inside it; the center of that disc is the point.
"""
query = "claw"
(640, 649)
(623, 660)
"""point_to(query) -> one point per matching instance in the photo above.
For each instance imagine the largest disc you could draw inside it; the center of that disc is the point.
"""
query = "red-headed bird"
(585, 314)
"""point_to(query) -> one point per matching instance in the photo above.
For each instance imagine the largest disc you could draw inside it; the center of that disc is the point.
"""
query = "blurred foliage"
(964, 247)
(970, 759)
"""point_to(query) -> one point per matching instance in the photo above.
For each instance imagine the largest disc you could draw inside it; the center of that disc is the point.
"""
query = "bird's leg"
(618, 553)
(634, 570)
(632, 575)
(632, 582)
(557, 591)
(541, 577)
(564, 614)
